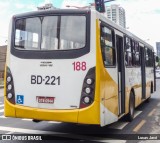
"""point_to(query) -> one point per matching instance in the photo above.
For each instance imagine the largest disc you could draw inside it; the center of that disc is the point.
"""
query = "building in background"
(158, 48)
(116, 14)
(3, 50)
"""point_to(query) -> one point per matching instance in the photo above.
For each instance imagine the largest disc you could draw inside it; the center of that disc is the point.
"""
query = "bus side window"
(149, 58)
(128, 52)
(133, 53)
(107, 46)
(137, 54)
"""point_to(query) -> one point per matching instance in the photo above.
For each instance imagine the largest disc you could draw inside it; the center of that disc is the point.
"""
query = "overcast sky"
(142, 16)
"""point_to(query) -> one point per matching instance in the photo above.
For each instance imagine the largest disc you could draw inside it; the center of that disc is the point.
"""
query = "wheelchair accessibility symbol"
(20, 99)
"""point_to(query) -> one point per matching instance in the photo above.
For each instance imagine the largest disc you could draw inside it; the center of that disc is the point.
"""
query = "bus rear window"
(50, 33)
(28, 33)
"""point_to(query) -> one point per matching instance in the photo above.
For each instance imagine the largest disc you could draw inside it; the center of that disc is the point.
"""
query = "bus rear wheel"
(36, 121)
(131, 107)
(148, 99)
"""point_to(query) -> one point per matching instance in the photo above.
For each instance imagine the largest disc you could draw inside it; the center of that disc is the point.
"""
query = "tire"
(148, 99)
(131, 107)
(36, 121)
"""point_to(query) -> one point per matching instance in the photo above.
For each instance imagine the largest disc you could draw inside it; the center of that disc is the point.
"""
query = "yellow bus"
(75, 66)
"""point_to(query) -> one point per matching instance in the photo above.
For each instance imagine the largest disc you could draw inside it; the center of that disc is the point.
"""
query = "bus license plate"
(43, 99)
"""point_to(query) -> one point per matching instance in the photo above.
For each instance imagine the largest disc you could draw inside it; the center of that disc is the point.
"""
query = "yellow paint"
(44, 114)
(139, 126)
(127, 101)
(152, 112)
(138, 95)
(90, 115)
(87, 115)
(108, 89)
(9, 109)
(112, 105)
(148, 89)
(137, 86)
(97, 83)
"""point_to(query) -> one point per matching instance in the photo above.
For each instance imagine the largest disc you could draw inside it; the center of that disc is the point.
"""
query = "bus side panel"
(133, 80)
(106, 88)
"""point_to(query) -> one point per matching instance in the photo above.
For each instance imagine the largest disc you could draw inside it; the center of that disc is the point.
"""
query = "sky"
(142, 16)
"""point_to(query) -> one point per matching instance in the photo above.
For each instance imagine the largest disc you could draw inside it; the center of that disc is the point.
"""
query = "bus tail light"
(10, 94)
(88, 89)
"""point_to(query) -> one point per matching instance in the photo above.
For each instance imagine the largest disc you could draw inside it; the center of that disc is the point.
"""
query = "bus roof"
(55, 11)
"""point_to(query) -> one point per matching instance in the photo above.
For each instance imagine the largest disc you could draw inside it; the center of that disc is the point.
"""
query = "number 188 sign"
(78, 66)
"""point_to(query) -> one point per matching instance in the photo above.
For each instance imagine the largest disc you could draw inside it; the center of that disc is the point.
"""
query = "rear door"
(121, 73)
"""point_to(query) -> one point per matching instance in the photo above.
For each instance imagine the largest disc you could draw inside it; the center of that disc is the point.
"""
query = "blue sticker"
(20, 99)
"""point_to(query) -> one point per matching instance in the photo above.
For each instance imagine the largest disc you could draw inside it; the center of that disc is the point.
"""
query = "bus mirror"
(157, 59)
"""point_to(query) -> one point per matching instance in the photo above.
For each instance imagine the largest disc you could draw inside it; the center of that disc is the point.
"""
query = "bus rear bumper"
(89, 115)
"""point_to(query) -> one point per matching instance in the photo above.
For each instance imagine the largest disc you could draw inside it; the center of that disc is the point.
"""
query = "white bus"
(75, 66)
